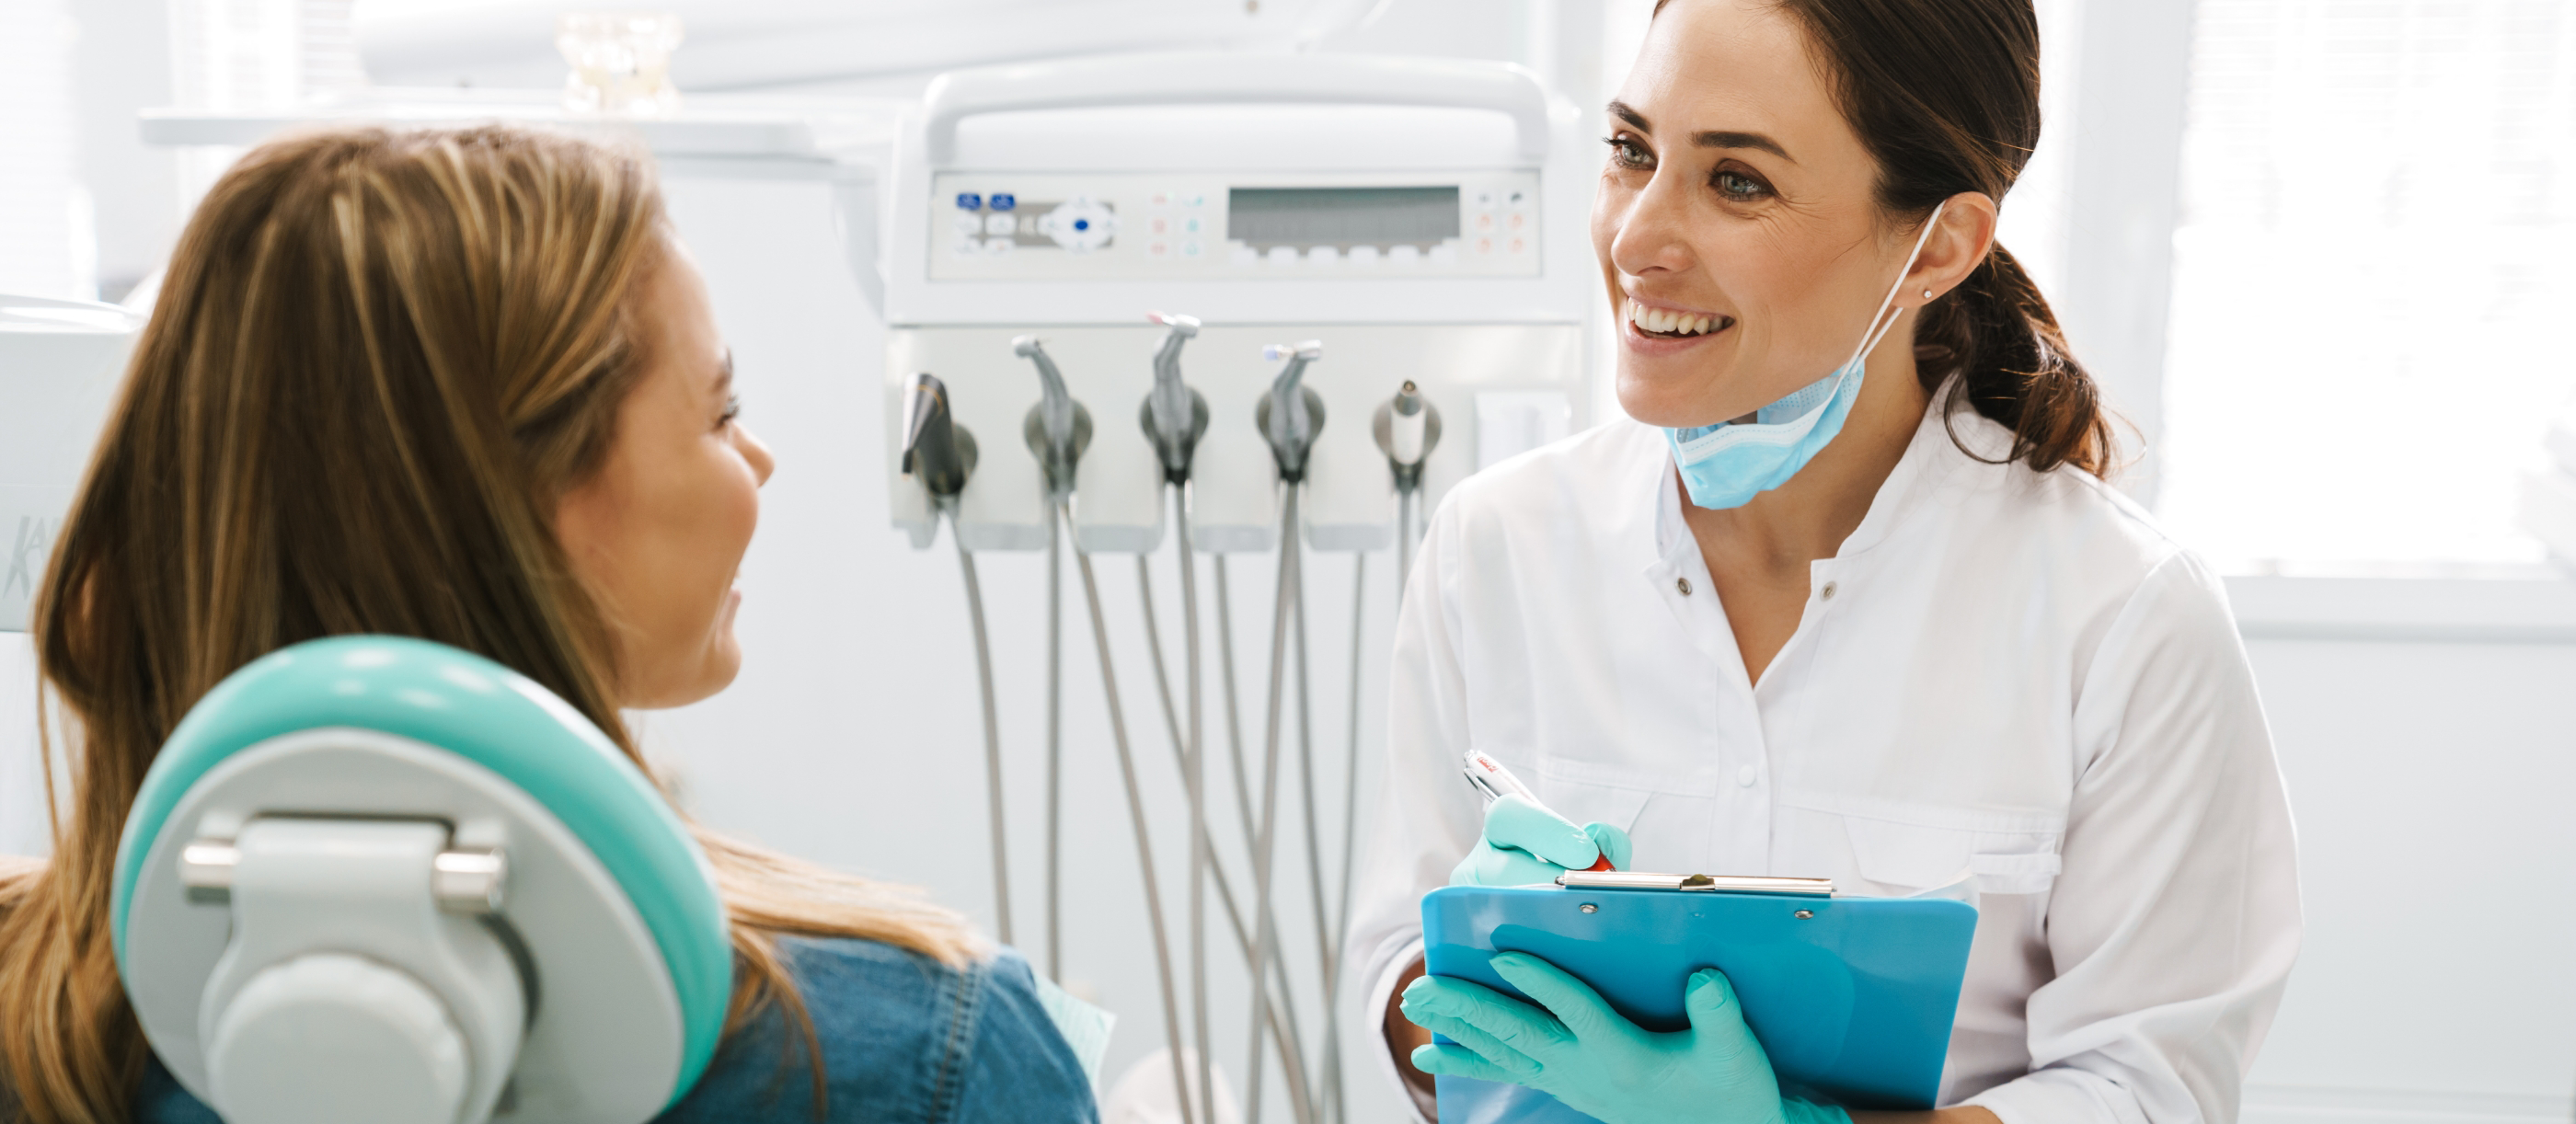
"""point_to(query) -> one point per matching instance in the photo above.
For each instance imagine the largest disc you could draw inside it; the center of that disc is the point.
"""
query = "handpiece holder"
(1174, 415)
(1407, 428)
(1058, 428)
(1291, 414)
(936, 450)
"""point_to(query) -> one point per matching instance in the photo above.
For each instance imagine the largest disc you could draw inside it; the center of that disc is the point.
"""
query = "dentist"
(1848, 597)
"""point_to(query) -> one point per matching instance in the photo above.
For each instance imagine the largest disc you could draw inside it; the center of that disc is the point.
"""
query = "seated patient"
(462, 385)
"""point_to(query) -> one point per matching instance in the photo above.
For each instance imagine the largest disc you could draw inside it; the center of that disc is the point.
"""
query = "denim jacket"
(905, 1041)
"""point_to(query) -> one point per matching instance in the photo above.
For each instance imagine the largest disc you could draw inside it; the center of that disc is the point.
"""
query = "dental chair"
(376, 878)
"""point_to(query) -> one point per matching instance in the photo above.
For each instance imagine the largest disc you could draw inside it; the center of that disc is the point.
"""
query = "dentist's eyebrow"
(1756, 141)
(1719, 138)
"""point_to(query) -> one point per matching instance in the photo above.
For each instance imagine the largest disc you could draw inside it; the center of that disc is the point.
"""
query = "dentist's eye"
(1625, 152)
(732, 410)
(1738, 187)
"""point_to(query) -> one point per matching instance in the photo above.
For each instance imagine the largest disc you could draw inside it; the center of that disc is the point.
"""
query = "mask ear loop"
(1878, 331)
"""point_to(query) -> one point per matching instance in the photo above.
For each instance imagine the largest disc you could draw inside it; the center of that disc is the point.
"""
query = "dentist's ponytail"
(1945, 95)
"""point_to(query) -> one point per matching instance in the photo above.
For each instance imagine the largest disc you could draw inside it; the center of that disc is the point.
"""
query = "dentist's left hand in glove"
(1579, 1051)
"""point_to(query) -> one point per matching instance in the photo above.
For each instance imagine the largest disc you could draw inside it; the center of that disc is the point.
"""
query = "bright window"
(2374, 278)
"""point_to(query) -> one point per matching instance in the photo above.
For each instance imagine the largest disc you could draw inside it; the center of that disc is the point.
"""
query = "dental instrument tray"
(1851, 997)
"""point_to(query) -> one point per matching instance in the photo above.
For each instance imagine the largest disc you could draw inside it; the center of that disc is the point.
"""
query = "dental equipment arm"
(941, 454)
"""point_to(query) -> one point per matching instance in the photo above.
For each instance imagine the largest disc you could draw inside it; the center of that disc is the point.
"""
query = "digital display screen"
(1341, 216)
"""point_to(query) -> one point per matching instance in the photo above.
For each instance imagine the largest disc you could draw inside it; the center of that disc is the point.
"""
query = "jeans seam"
(960, 1029)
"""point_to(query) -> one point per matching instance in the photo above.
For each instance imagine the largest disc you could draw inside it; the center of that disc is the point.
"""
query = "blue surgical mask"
(1727, 464)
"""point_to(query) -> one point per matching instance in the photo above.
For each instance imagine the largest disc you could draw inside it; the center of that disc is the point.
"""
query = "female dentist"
(1849, 598)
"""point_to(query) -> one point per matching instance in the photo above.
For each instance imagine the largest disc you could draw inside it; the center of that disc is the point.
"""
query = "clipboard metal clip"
(1696, 883)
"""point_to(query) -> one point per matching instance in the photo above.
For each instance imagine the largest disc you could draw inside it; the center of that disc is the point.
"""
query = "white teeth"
(1666, 322)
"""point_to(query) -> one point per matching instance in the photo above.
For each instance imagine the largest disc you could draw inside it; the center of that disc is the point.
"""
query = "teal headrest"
(496, 718)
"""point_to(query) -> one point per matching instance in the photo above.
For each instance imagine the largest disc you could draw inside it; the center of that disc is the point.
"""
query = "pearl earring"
(1927, 294)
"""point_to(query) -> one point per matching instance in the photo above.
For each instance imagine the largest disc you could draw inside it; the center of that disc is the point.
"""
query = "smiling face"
(1740, 241)
(659, 532)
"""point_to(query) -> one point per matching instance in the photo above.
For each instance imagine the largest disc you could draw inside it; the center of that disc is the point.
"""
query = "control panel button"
(1003, 201)
(1190, 225)
(1000, 224)
(1484, 222)
(969, 201)
(1405, 255)
(998, 246)
(1241, 254)
(1158, 249)
(1324, 255)
(1192, 247)
(1283, 255)
(1080, 224)
(968, 224)
(1364, 255)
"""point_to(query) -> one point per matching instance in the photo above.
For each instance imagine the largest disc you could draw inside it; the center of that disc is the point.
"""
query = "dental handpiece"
(1405, 431)
(1495, 782)
(1055, 403)
(1058, 428)
(1287, 420)
(936, 450)
(1175, 416)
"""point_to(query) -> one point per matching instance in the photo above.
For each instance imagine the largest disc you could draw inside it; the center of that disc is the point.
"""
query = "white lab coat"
(2006, 678)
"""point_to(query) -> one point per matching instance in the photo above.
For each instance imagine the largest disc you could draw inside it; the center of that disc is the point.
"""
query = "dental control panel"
(1010, 226)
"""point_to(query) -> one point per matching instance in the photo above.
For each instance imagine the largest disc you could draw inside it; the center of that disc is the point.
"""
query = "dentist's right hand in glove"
(1525, 843)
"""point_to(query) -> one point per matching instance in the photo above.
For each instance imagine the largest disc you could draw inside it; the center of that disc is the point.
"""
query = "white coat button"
(1744, 775)
(1828, 592)
(1682, 584)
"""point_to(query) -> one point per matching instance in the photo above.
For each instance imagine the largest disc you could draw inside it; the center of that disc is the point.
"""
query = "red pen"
(1491, 778)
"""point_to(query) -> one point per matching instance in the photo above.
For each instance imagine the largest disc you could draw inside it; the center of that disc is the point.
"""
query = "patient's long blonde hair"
(377, 361)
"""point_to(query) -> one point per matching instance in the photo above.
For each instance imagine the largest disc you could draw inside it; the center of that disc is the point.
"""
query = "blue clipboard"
(1852, 998)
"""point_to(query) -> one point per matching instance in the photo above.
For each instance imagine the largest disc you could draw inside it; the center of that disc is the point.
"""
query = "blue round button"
(1082, 224)
(969, 201)
(1003, 201)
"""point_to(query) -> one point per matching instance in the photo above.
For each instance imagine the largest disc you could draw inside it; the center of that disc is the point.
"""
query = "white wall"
(2432, 782)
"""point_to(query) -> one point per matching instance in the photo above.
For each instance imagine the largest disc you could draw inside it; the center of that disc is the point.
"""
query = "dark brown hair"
(1945, 96)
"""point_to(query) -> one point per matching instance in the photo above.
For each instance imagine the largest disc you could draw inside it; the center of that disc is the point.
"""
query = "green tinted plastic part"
(496, 718)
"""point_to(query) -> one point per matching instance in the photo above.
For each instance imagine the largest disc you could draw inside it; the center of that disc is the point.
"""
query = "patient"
(463, 386)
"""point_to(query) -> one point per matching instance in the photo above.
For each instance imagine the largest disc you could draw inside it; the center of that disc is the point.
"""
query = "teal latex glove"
(1581, 1052)
(1525, 843)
